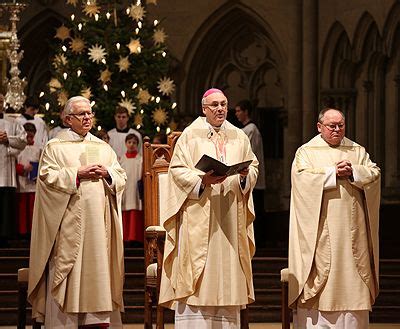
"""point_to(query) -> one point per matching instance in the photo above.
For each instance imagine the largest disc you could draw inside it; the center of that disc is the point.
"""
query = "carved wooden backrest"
(156, 159)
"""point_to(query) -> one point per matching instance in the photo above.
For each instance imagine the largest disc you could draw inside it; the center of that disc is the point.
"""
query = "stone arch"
(35, 36)
(342, 66)
(391, 30)
(336, 50)
(366, 34)
(235, 35)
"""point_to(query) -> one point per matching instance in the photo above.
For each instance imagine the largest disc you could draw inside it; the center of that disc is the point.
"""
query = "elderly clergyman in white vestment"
(207, 274)
(76, 262)
(333, 239)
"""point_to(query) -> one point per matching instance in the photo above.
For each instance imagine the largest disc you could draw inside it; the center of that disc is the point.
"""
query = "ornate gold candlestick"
(15, 96)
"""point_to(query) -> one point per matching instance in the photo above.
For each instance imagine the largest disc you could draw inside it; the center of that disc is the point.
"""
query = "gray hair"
(323, 111)
(69, 105)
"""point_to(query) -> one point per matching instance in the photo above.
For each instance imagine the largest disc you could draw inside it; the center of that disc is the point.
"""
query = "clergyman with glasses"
(207, 273)
(76, 261)
(333, 238)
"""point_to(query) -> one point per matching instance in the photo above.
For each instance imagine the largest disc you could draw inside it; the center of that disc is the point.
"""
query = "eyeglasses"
(81, 115)
(333, 127)
(215, 105)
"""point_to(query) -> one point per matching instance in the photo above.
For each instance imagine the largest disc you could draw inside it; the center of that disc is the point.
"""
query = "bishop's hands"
(209, 179)
(93, 171)
(344, 169)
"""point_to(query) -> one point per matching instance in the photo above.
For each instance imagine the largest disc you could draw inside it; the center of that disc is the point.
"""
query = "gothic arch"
(366, 35)
(336, 57)
(222, 43)
(342, 67)
(35, 36)
(391, 30)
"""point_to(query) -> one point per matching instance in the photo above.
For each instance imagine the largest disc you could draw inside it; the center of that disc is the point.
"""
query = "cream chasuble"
(210, 243)
(79, 227)
(333, 242)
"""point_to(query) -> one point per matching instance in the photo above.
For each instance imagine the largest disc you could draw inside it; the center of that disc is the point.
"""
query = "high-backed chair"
(156, 159)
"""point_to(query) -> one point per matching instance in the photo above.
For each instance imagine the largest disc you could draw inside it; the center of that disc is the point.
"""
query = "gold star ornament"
(166, 86)
(105, 75)
(128, 104)
(159, 36)
(136, 12)
(159, 116)
(77, 45)
(63, 33)
(123, 64)
(97, 53)
(143, 96)
(60, 61)
(91, 8)
(134, 46)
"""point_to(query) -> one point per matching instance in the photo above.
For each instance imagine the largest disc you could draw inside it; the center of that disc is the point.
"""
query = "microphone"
(210, 134)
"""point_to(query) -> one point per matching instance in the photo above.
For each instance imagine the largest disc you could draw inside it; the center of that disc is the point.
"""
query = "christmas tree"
(112, 55)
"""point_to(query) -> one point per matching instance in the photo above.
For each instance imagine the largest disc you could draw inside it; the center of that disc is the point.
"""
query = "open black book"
(207, 163)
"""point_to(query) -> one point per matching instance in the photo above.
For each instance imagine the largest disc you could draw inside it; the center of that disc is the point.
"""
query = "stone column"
(310, 68)
(293, 137)
(364, 138)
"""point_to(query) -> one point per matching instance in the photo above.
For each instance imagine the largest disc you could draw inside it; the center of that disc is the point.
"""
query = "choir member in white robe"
(207, 274)
(333, 239)
(12, 141)
(117, 135)
(27, 169)
(132, 213)
(76, 266)
(30, 115)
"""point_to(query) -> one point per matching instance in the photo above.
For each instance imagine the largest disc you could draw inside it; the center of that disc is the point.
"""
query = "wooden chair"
(156, 159)
(23, 275)
(285, 310)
